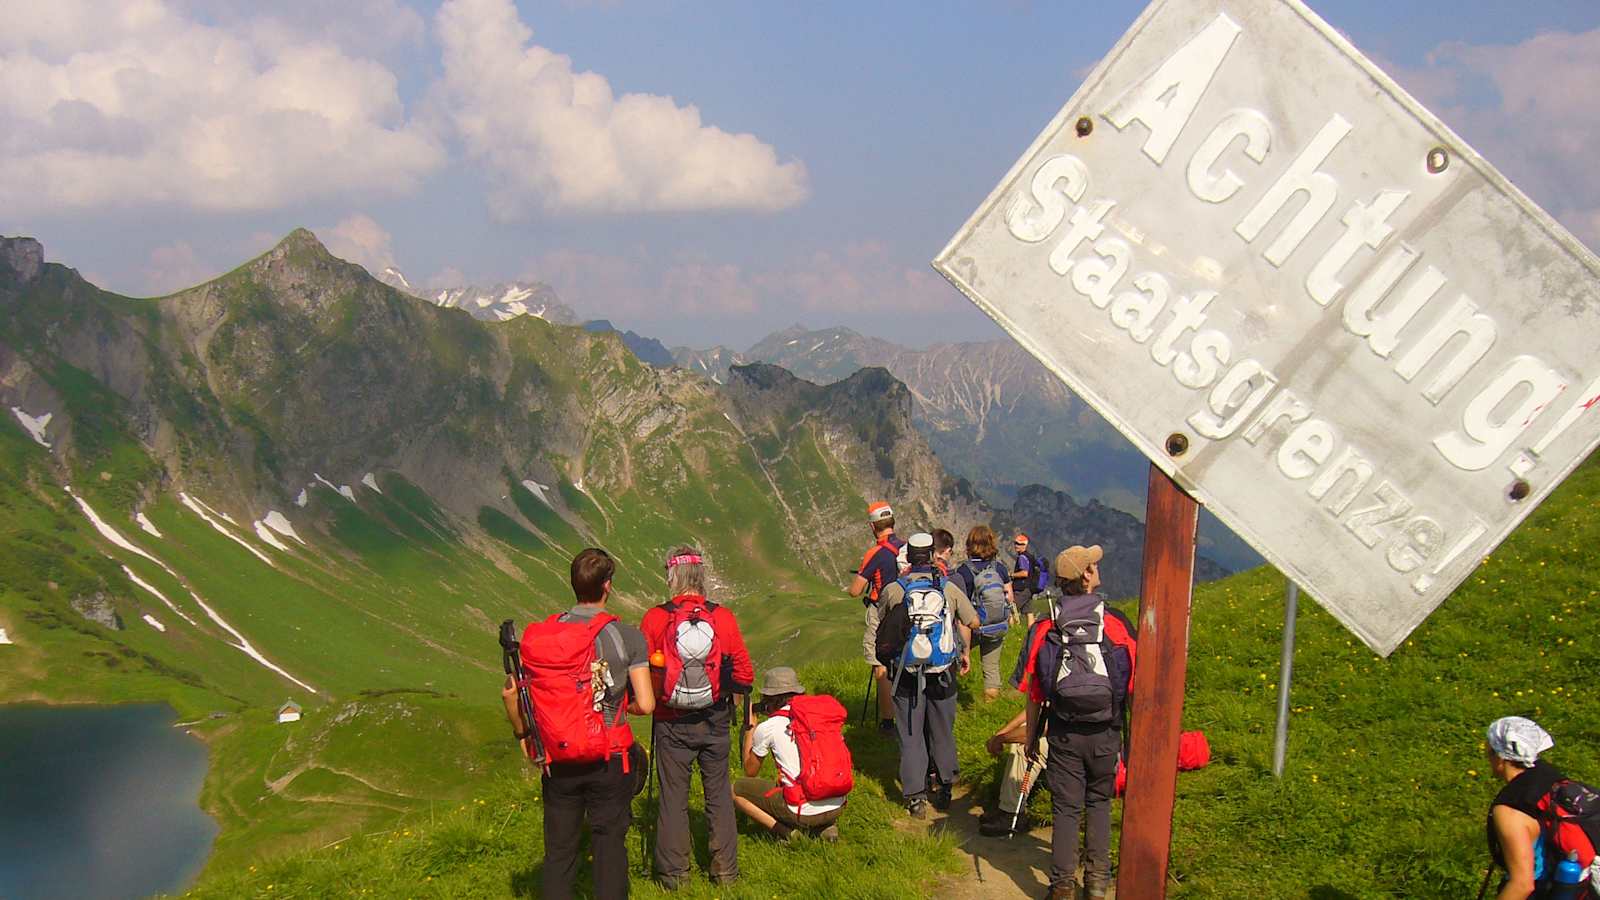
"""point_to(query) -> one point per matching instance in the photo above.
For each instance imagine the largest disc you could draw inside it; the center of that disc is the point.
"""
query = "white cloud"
(360, 239)
(173, 267)
(558, 139)
(1533, 109)
(137, 104)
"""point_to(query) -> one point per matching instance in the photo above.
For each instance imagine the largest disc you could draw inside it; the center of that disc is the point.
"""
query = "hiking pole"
(1484, 888)
(511, 658)
(872, 679)
(649, 797)
(1030, 774)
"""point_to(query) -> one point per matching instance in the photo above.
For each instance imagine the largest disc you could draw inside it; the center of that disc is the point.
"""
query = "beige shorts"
(869, 639)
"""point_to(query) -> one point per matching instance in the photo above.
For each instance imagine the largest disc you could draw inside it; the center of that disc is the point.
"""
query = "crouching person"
(592, 767)
(804, 736)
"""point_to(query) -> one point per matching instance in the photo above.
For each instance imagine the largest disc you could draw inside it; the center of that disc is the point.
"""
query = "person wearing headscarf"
(1514, 745)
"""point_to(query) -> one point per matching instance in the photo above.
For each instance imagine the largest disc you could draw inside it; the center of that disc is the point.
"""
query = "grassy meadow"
(1384, 793)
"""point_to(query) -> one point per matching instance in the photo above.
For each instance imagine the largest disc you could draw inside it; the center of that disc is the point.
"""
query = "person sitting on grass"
(785, 809)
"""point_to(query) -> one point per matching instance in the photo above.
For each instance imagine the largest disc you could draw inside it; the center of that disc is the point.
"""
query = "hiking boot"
(785, 832)
(724, 880)
(669, 882)
(829, 834)
(886, 726)
(941, 798)
(1068, 891)
(991, 694)
(918, 809)
(1095, 890)
(998, 824)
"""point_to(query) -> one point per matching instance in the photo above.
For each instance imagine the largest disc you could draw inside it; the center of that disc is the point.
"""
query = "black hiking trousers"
(602, 794)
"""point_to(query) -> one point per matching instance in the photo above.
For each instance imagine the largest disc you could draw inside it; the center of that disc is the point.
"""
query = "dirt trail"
(997, 868)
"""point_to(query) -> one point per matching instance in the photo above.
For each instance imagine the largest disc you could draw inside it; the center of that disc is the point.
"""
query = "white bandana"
(1518, 740)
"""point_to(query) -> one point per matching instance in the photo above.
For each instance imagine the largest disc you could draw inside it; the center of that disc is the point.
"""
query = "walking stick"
(1029, 776)
(649, 796)
(1484, 888)
(511, 658)
(866, 702)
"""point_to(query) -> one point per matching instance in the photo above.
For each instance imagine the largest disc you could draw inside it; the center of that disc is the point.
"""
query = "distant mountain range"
(991, 412)
(494, 303)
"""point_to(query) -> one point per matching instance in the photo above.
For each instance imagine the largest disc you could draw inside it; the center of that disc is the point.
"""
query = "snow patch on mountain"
(153, 623)
(158, 595)
(371, 482)
(303, 499)
(148, 526)
(538, 490)
(268, 538)
(199, 509)
(243, 645)
(109, 533)
(278, 522)
(5, 638)
(35, 425)
(393, 276)
(342, 489)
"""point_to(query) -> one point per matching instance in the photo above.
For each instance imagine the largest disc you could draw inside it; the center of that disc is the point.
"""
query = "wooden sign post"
(1171, 517)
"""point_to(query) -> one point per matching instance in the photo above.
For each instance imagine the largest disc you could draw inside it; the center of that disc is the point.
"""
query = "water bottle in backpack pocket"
(930, 641)
(989, 597)
(1569, 828)
(693, 655)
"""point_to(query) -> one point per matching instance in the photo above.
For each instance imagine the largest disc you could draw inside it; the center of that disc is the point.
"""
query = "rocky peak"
(21, 259)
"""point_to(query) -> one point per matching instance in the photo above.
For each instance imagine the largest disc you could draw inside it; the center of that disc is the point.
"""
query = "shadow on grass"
(1324, 892)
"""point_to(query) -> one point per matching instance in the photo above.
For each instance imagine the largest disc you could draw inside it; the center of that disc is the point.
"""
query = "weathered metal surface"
(1303, 297)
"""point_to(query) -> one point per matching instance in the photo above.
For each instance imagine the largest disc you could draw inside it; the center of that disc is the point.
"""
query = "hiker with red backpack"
(1077, 670)
(987, 583)
(584, 672)
(1542, 826)
(923, 639)
(701, 662)
(879, 567)
(803, 733)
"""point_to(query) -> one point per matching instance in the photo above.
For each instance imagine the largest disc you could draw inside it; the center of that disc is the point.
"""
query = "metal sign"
(1303, 297)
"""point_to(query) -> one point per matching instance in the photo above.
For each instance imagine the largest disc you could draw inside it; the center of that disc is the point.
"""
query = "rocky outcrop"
(97, 608)
(21, 260)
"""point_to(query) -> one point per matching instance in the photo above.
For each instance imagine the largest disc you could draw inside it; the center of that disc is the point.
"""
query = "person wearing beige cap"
(786, 808)
(1077, 670)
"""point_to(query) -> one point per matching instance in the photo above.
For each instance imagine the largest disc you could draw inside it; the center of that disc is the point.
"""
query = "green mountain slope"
(1384, 795)
(295, 482)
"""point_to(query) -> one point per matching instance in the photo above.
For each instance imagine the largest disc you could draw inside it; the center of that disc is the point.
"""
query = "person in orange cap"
(880, 566)
(1024, 579)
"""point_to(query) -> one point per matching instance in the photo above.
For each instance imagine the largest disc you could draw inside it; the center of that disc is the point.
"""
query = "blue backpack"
(988, 596)
(1040, 567)
(931, 641)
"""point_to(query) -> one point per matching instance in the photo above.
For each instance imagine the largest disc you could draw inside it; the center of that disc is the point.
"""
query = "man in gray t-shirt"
(620, 646)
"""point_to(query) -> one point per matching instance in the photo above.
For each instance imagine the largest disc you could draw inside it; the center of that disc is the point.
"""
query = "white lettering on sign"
(1357, 318)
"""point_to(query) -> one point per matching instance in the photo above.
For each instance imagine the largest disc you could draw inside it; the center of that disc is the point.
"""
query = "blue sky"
(753, 164)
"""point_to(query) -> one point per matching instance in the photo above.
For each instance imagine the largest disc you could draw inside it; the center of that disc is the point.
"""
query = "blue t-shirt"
(880, 566)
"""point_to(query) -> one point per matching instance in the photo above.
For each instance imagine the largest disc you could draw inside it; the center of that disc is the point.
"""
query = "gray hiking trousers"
(680, 746)
(1082, 774)
(925, 725)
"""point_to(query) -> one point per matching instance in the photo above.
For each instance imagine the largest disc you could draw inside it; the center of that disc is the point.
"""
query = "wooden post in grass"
(1169, 539)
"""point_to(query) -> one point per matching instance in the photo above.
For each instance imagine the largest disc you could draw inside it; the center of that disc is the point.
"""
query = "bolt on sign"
(1303, 297)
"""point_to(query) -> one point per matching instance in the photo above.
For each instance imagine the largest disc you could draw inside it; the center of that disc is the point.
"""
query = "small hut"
(289, 712)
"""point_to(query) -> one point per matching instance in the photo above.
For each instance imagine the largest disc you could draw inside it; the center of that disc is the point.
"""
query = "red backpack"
(816, 723)
(1569, 820)
(693, 653)
(558, 661)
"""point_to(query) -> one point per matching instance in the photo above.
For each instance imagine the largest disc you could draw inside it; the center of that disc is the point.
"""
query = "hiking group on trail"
(575, 677)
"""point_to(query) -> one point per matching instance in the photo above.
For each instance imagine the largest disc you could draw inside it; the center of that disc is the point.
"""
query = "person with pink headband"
(700, 660)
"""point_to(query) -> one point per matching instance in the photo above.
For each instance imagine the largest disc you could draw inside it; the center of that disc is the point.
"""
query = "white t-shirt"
(772, 736)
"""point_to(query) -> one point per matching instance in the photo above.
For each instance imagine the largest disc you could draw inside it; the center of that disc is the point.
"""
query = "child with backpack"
(591, 766)
(1077, 670)
(701, 660)
(804, 736)
(1542, 827)
(924, 634)
(987, 584)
